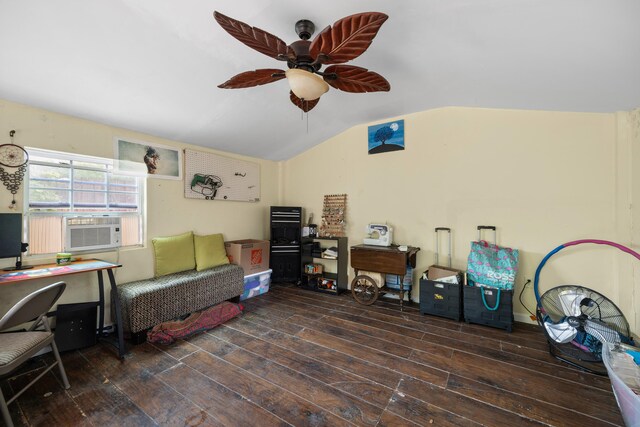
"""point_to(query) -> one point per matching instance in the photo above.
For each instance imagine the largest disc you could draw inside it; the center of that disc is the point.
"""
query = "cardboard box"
(252, 255)
(256, 284)
(436, 272)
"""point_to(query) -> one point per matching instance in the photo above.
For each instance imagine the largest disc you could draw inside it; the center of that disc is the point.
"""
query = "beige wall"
(168, 211)
(634, 137)
(543, 178)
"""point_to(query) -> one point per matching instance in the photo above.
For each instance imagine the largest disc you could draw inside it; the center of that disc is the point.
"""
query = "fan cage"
(585, 351)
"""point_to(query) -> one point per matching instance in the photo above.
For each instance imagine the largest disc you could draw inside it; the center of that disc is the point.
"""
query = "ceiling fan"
(347, 39)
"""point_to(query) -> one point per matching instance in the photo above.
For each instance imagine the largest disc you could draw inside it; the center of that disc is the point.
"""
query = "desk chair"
(18, 347)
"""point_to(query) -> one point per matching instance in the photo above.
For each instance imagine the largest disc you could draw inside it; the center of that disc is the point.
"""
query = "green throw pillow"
(174, 254)
(210, 251)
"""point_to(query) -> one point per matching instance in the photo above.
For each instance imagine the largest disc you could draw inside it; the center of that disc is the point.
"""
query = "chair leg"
(5, 411)
(63, 374)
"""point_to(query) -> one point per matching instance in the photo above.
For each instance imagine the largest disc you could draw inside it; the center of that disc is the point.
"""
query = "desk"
(380, 259)
(55, 272)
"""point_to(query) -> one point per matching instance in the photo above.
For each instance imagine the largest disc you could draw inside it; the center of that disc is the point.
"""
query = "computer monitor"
(11, 245)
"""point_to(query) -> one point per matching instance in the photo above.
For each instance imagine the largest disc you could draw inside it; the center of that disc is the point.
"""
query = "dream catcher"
(12, 156)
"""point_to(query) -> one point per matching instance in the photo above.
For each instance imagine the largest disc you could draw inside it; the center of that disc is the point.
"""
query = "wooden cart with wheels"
(380, 259)
(364, 289)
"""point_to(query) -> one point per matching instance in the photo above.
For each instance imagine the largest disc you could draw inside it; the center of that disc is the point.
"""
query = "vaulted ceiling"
(153, 66)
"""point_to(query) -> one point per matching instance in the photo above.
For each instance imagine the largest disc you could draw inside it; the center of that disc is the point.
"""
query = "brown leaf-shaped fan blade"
(253, 37)
(348, 38)
(355, 79)
(303, 105)
(253, 78)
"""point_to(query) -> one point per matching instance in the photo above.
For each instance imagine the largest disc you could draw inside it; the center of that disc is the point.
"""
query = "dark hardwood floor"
(303, 358)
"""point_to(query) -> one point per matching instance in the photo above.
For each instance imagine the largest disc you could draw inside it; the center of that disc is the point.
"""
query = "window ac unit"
(91, 233)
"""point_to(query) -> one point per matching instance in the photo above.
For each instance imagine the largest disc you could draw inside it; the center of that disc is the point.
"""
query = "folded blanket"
(169, 332)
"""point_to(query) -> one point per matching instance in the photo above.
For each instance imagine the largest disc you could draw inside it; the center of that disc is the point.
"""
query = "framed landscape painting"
(144, 158)
(386, 137)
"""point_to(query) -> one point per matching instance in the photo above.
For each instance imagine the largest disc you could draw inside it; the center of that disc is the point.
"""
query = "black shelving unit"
(286, 231)
(334, 269)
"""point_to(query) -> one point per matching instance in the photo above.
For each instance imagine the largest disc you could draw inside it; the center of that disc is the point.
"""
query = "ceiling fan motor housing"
(303, 59)
(305, 29)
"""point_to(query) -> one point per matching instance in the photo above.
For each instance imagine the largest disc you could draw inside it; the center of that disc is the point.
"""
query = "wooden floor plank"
(282, 403)
(594, 402)
(225, 406)
(323, 371)
(46, 401)
(163, 404)
(424, 413)
(579, 377)
(275, 324)
(389, 419)
(475, 410)
(143, 360)
(303, 307)
(355, 325)
(549, 414)
(398, 364)
(380, 374)
(333, 400)
(15, 412)
(305, 358)
(373, 372)
(178, 349)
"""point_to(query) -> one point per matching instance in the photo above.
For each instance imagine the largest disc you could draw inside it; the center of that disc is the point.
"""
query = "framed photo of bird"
(145, 158)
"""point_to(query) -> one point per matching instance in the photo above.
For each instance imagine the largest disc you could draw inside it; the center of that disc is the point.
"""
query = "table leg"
(118, 311)
(100, 303)
(401, 292)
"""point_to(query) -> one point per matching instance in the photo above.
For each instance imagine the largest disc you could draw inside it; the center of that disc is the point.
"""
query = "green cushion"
(210, 251)
(174, 254)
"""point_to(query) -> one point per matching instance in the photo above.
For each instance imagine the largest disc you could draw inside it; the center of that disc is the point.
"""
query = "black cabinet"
(334, 276)
(286, 231)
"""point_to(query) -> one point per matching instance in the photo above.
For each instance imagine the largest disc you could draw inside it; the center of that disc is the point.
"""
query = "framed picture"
(145, 158)
(386, 137)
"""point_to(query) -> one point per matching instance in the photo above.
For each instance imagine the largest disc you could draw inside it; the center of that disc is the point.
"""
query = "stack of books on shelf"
(330, 253)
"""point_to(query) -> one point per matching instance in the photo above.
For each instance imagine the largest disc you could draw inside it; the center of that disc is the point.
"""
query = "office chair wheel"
(364, 289)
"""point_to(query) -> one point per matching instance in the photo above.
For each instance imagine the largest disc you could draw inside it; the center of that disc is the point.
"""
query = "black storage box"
(476, 312)
(76, 325)
(307, 248)
(441, 299)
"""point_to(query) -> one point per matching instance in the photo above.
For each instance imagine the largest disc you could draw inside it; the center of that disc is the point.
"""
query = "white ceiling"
(153, 66)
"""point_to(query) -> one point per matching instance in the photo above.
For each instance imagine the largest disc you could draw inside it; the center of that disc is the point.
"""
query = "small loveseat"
(191, 274)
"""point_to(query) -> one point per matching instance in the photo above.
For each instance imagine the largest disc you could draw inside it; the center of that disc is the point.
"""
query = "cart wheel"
(364, 290)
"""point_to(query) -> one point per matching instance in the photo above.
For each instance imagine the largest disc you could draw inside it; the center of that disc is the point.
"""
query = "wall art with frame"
(386, 137)
(146, 158)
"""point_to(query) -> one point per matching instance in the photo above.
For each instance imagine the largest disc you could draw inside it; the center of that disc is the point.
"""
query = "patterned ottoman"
(146, 303)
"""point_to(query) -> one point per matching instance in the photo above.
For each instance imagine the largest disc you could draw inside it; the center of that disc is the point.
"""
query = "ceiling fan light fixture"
(305, 85)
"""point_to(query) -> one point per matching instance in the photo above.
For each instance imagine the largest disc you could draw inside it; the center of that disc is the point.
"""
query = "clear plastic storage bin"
(624, 375)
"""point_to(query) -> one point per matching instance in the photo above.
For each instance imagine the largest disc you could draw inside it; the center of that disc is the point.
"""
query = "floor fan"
(577, 320)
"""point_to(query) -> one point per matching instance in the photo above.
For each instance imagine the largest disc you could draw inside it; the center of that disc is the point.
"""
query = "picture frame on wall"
(386, 137)
(146, 158)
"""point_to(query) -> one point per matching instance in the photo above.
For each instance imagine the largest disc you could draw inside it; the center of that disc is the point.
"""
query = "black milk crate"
(476, 312)
(441, 299)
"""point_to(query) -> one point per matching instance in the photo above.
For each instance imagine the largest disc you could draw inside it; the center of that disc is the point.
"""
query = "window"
(64, 184)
